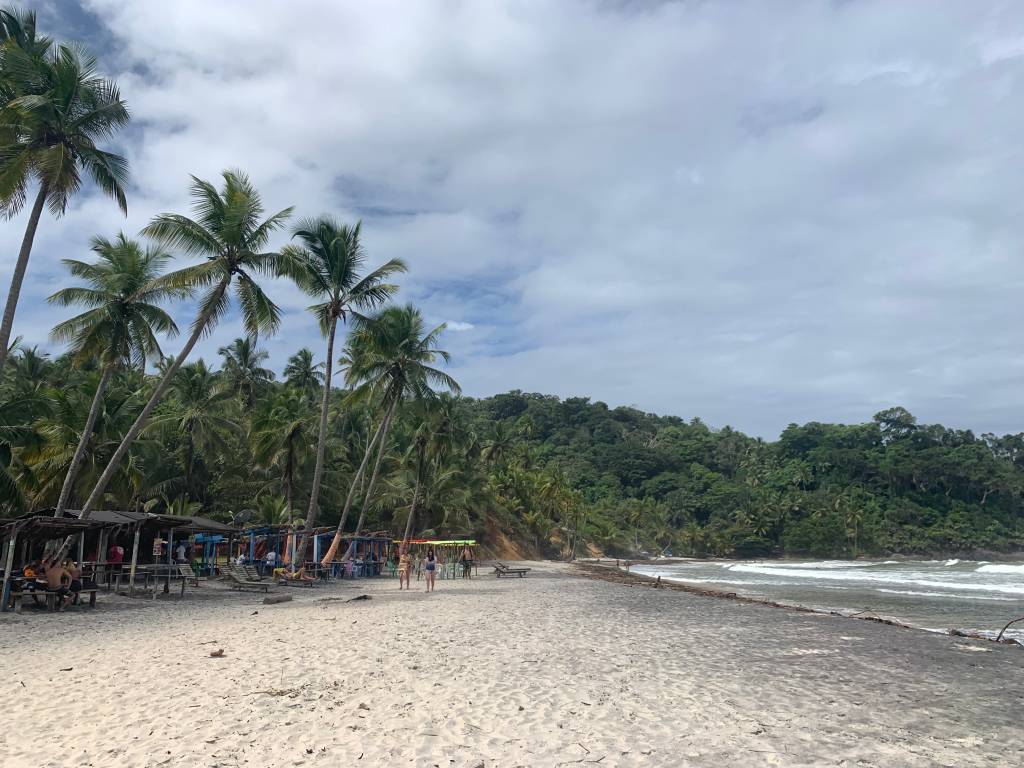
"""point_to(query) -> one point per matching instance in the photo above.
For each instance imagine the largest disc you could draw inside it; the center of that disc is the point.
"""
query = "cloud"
(455, 325)
(734, 211)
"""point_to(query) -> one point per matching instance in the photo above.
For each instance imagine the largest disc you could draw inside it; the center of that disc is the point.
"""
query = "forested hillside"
(659, 482)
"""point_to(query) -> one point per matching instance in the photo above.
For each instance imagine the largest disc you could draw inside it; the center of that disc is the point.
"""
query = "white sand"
(549, 670)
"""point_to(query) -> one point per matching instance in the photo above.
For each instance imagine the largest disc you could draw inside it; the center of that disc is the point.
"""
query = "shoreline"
(616, 574)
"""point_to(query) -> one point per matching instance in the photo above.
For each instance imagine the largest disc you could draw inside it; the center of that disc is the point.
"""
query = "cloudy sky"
(755, 213)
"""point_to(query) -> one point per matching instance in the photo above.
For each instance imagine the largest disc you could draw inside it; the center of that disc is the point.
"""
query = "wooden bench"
(51, 598)
(500, 569)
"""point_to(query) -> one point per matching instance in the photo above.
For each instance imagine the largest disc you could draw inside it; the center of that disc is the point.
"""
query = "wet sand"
(554, 669)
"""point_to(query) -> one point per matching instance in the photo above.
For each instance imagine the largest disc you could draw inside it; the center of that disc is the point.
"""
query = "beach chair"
(187, 574)
(500, 569)
(250, 572)
(238, 580)
(290, 581)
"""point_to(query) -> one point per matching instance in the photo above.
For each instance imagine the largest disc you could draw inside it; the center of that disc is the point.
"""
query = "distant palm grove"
(368, 431)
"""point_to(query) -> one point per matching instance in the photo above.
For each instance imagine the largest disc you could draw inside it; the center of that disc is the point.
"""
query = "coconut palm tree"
(302, 373)
(281, 435)
(61, 431)
(392, 356)
(123, 291)
(229, 233)
(499, 444)
(195, 411)
(13, 430)
(61, 108)
(328, 266)
(243, 371)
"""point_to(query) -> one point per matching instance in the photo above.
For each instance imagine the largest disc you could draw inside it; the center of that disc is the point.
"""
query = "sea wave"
(818, 565)
(952, 562)
(808, 575)
(1014, 569)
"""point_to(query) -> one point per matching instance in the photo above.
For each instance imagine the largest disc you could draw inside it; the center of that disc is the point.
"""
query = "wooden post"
(81, 548)
(316, 547)
(101, 557)
(170, 560)
(8, 564)
(135, 559)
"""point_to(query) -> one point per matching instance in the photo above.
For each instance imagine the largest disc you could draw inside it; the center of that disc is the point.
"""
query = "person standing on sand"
(430, 566)
(467, 562)
(270, 562)
(404, 568)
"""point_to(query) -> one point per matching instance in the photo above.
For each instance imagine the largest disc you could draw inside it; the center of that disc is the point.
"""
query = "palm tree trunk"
(189, 458)
(412, 512)
(83, 442)
(333, 549)
(376, 470)
(321, 443)
(158, 393)
(19, 273)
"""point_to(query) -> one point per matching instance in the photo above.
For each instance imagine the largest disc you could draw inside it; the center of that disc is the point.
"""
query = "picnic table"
(155, 572)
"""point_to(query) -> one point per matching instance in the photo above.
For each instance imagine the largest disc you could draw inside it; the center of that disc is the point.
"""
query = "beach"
(550, 670)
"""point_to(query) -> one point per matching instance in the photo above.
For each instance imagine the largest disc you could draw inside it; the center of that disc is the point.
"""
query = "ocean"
(935, 595)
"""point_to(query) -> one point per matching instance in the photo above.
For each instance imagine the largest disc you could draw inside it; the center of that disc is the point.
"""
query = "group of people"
(62, 577)
(429, 564)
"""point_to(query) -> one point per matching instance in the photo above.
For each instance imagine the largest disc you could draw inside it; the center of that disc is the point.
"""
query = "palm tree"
(228, 232)
(302, 373)
(242, 369)
(434, 439)
(123, 292)
(327, 267)
(392, 356)
(61, 107)
(195, 411)
(61, 430)
(280, 438)
(499, 444)
(12, 431)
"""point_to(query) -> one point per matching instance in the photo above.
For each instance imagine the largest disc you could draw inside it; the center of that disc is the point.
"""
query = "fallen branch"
(999, 637)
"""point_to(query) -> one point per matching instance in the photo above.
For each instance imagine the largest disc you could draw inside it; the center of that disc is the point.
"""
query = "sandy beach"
(552, 670)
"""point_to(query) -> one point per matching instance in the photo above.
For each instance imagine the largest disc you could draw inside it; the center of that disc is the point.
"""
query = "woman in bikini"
(430, 566)
(404, 568)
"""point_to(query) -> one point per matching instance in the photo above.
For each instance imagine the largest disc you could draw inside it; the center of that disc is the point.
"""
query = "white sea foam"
(1017, 570)
(952, 562)
(951, 595)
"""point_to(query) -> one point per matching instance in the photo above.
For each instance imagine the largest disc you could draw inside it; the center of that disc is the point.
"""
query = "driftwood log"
(274, 599)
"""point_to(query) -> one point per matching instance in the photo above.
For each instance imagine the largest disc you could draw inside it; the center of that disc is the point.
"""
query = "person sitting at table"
(75, 578)
(115, 555)
(57, 581)
(34, 579)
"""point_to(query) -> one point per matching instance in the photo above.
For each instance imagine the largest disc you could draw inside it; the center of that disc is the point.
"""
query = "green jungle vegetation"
(120, 419)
